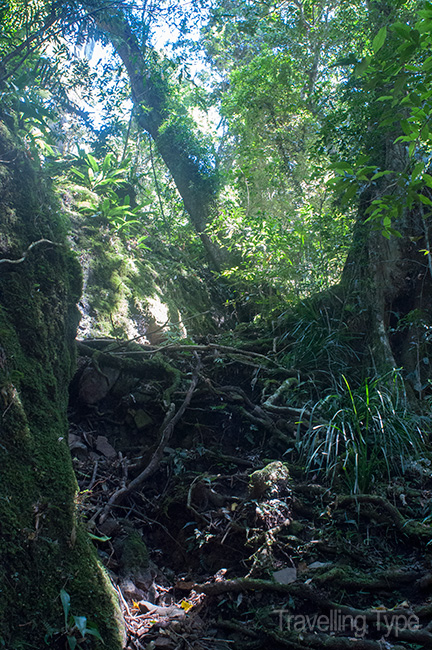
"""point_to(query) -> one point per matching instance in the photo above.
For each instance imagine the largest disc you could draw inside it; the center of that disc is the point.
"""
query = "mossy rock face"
(149, 295)
(42, 545)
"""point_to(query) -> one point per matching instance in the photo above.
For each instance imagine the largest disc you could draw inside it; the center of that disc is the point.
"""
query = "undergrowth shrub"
(315, 339)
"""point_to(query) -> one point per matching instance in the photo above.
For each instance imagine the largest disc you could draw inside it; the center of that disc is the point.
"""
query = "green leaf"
(425, 133)
(427, 178)
(92, 629)
(81, 624)
(351, 191)
(380, 174)
(93, 163)
(427, 64)
(342, 167)
(65, 600)
(402, 30)
(101, 538)
(418, 169)
(379, 39)
(107, 162)
(406, 127)
(78, 173)
(362, 159)
(424, 199)
(362, 66)
(72, 642)
(126, 224)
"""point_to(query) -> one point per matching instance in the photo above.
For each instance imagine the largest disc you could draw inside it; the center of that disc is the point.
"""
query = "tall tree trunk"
(195, 177)
(389, 285)
(43, 547)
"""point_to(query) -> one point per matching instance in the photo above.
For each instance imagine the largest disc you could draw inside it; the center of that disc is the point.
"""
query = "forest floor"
(212, 531)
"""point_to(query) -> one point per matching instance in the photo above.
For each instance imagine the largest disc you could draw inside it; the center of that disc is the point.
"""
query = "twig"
(166, 430)
(122, 598)
(93, 478)
(5, 260)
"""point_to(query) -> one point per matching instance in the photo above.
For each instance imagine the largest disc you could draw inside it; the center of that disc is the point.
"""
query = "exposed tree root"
(5, 260)
(417, 531)
(167, 428)
(200, 513)
(319, 641)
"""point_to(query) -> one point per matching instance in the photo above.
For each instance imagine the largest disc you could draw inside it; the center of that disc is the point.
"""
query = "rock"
(104, 447)
(274, 478)
(134, 554)
(130, 590)
(286, 576)
(109, 527)
(141, 418)
(95, 385)
(77, 447)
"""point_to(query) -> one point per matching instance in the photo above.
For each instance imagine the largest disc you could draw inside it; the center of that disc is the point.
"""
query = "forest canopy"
(252, 93)
(259, 125)
(281, 148)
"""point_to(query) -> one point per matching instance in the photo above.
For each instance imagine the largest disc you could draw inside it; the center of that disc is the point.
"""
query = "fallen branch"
(343, 576)
(320, 641)
(206, 348)
(166, 430)
(303, 591)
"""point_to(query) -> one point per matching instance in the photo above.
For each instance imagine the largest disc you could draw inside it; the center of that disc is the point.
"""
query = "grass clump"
(361, 433)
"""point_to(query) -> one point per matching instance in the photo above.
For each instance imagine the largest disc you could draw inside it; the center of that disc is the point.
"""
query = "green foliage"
(76, 629)
(104, 180)
(314, 338)
(279, 87)
(367, 432)
(396, 75)
(293, 257)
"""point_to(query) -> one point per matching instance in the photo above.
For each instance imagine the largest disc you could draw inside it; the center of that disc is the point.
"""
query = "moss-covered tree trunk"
(387, 284)
(190, 166)
(43, 547)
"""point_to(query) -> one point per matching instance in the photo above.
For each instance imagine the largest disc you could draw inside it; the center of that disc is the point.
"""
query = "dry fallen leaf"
(186, 605)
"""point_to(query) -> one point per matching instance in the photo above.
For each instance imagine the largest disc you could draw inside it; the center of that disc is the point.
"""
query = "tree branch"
(6, 260)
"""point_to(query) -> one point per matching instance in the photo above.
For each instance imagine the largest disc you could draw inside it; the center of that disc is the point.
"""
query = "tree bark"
(389, 285)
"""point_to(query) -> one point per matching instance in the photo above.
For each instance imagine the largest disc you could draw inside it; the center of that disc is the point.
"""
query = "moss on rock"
(273, 478)
(135, 554)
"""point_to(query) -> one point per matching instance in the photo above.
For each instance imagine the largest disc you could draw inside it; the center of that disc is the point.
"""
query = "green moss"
(269, 478)
(120, 279)
(135, 553)
(42, 547)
